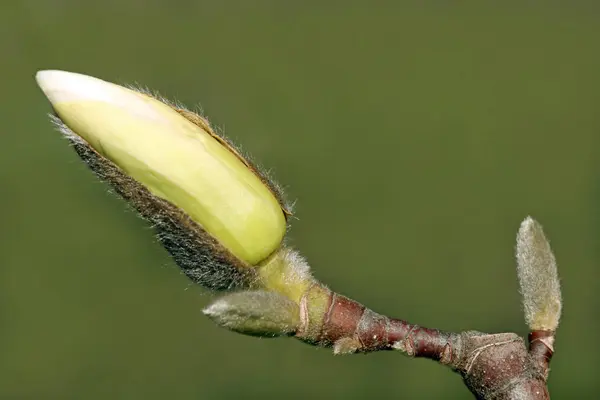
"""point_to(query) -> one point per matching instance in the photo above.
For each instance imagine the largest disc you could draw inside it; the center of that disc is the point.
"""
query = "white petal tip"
(62, 86)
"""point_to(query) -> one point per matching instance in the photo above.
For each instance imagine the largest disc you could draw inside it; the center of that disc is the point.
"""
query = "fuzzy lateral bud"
(256, 313)
(538, 277)
(175, 159)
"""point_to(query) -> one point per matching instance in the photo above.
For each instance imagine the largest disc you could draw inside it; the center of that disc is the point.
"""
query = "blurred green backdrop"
(415, 139)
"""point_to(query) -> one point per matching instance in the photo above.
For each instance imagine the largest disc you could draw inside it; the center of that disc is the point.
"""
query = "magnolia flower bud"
(169, 154)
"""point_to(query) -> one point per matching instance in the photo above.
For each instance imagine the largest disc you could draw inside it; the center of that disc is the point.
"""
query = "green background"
(414, 137)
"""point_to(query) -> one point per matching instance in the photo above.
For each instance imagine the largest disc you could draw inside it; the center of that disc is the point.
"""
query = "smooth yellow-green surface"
(180, 162)
(415, 139)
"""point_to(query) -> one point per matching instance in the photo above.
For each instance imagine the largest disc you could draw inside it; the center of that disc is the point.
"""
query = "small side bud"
(256, 313)
(538, 277)
(346, 345)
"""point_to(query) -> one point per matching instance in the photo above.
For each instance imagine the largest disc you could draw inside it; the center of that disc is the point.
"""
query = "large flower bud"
(189, 182)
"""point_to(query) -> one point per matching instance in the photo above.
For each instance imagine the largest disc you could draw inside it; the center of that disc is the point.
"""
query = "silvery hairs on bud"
(202, 258)
(538, 277)
(256, 313)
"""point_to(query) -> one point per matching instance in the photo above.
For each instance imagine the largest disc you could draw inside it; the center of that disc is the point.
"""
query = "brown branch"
(493, 366)
(541, 350)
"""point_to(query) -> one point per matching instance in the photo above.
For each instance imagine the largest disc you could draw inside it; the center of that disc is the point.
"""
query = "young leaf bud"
(256, 313)
(538, 277)
(168, 166)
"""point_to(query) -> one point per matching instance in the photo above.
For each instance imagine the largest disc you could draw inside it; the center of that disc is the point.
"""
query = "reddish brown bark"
(541, 350)
(357, 329)
(493, 366)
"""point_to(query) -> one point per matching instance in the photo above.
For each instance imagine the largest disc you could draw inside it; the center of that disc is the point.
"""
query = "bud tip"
(62, 86)
(538, 277)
